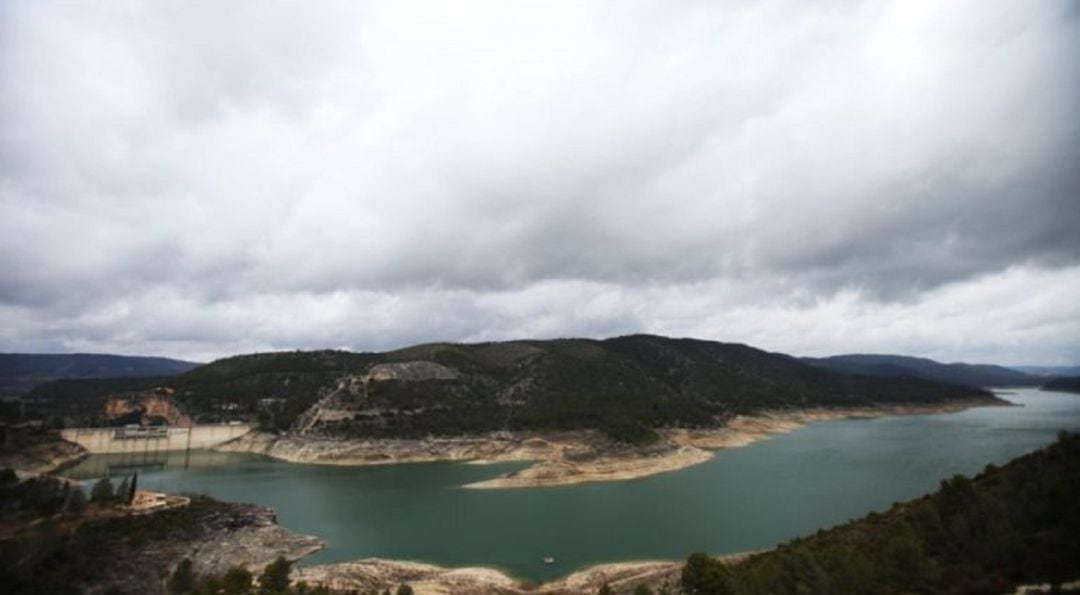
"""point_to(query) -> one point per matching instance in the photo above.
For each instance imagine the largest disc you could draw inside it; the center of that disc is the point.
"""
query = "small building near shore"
(146, 500)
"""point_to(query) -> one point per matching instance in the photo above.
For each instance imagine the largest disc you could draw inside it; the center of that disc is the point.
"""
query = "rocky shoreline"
(376, 574)
(250, 538)
(110, 549)
(573, 457)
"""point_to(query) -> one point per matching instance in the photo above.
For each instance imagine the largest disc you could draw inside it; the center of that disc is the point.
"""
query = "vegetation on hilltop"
(899, 366)
(626, 385)
(274, 388)
(21, 372)
(84, 399)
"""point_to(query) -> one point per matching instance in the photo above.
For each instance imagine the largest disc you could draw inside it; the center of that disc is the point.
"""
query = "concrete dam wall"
(167, 438)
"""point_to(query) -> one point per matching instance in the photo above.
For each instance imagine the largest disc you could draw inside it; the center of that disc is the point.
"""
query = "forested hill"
(896, 366)
(446, 389)
(21, 372)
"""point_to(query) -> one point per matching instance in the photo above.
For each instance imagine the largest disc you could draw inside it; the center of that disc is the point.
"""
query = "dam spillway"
(153, 439)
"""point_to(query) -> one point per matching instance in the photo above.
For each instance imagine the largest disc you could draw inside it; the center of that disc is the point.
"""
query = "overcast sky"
(202, 179)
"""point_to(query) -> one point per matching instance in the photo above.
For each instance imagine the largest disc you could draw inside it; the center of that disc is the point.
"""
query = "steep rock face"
(411, 371)
(146, 407)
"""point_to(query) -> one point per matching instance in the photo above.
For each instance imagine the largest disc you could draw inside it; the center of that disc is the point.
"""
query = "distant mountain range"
(899, 366)
(21, 372)
(1051, 371)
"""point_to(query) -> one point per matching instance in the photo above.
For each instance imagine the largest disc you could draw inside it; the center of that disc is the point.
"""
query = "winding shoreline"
(431, 579)
(572, 457)
(559, 458)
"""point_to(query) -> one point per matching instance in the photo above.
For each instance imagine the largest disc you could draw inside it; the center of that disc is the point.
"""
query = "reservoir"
(744, 499)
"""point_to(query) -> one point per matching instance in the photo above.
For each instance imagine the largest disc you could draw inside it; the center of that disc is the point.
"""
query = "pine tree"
(275, 577)
(102, 492)
(76, 501)
(122, 491)
(237, 581)
(703, 575)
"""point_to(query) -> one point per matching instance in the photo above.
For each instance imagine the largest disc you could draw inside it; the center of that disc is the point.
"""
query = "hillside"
(1069, 384)
(622, 384)
(21, 372)
(897, 366)
(84, 399)
(1012, 525)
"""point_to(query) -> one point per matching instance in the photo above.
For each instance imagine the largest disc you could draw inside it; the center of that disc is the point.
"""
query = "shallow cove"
(745, 498)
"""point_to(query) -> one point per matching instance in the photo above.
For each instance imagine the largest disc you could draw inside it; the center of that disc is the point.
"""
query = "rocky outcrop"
(411, 371)
(375, 574)
(425, 579)
(214, 535)
(348, 398)
(248, 537)
(155, 406)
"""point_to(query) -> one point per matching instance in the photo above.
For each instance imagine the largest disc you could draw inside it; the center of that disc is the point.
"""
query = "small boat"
(549, 559)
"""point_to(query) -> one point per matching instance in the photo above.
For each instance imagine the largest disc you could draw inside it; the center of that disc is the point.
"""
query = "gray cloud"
(202, 179)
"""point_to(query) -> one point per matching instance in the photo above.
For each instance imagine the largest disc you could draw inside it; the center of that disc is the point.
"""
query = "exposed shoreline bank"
(429, 579)
(48, 454)
(572, 457)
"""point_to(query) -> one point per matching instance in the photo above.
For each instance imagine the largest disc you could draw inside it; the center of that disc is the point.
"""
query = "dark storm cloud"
(206, 178)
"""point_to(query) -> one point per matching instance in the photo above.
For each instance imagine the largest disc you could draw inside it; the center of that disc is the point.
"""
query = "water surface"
(743, 499)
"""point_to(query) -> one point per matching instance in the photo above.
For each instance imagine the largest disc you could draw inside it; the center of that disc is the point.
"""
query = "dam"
(153, 439)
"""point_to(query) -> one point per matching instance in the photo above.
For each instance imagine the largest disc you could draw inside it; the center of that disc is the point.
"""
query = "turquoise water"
(743, 499)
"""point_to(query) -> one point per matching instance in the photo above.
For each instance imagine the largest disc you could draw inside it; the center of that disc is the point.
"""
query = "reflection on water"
(744, 499)
(125, 463)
